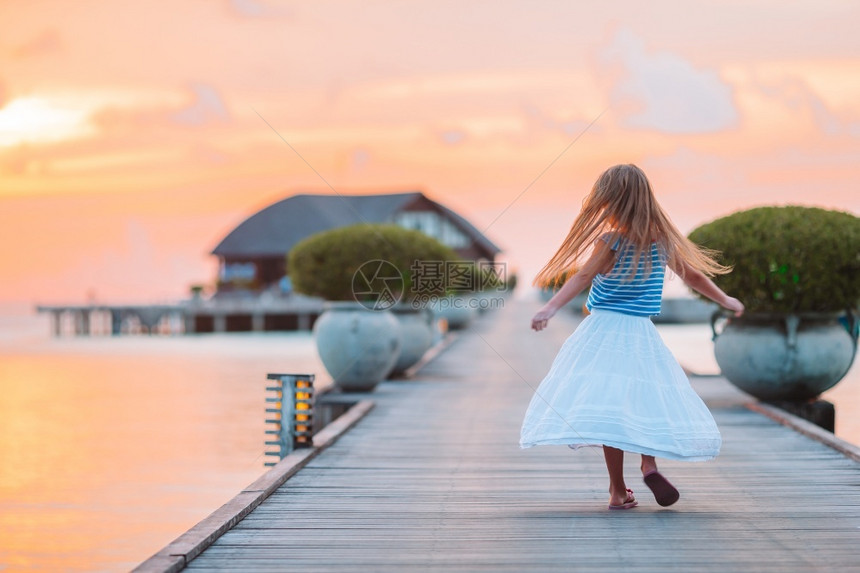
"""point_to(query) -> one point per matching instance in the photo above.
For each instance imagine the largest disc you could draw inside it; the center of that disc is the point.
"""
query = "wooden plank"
(190, 544)
(433, 480)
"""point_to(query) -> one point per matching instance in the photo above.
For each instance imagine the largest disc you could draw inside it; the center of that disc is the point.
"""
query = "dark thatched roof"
(273, 231)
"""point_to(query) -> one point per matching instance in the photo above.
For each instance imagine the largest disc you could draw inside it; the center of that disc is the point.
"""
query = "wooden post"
(190, 321)
(57, 322)
(77, 322)
(820, 412)
(258, 322)
(304, 321)
(115, 322)
(84, 322)
(219, 323)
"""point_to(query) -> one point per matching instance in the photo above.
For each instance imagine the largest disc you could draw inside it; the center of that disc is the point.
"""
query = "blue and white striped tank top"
(637, 295)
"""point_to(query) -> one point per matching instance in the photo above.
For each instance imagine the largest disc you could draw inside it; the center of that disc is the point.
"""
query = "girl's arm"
(601, 261)
(696, 280)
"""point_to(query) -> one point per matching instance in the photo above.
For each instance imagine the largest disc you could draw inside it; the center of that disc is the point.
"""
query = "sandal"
(664, 492)
(630, 502)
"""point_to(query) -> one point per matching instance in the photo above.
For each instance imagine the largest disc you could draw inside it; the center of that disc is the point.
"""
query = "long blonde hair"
(622, 203)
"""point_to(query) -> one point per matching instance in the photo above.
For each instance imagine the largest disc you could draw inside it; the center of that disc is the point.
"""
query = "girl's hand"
(541, 319)
(734, 305)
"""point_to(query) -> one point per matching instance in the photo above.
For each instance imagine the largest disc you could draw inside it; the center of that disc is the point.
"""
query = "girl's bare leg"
(615, 465)
(649, 464)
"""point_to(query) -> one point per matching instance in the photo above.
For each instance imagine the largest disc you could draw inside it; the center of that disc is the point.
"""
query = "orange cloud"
(46, 42)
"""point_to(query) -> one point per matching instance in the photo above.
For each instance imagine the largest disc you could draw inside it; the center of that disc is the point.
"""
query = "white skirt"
(615, 383)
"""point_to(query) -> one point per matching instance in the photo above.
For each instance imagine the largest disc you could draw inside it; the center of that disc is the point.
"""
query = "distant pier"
(196, 316)
(250, 314)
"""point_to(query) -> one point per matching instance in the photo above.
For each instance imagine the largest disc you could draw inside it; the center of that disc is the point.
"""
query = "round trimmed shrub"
(324, 264)
(788, 259)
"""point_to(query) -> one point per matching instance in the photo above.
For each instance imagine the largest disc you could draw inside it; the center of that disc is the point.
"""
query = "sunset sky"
(135, 134)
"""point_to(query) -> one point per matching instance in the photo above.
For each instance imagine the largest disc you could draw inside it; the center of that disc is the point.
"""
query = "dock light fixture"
(289, 413)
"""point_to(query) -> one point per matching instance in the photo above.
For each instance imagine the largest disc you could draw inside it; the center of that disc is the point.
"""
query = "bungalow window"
(238, 272)
(432, 224)
(452, 236)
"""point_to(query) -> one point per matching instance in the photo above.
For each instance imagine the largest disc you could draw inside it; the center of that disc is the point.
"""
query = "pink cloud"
(663, 91)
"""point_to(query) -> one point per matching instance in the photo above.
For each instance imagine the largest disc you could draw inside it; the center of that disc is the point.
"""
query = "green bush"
(324, 264)
(788, 259)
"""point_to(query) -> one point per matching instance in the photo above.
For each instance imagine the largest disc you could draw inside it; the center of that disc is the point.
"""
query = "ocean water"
(112, 447)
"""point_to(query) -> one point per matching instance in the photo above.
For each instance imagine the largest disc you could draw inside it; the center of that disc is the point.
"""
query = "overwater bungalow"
(253, 256)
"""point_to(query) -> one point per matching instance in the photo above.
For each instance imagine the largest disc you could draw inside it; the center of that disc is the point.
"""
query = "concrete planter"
(576, 305)
(685, 311)
(416, 335)
(785, 357)
(357, 346)
(486, 301)
(456, 311)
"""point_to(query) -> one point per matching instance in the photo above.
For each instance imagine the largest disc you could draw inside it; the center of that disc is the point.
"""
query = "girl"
(614, 383)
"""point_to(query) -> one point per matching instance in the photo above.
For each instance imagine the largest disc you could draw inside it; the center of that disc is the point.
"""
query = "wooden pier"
(252, 314)
(432, 479)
